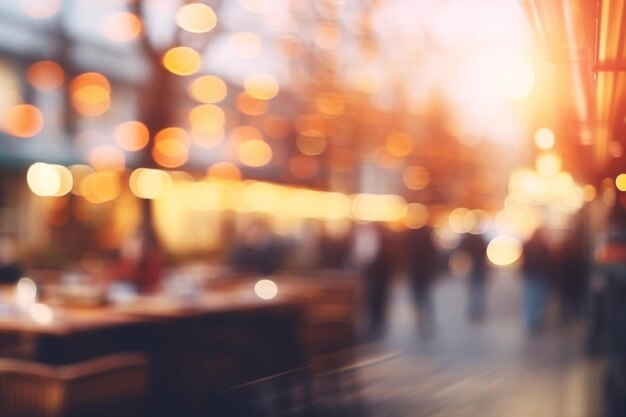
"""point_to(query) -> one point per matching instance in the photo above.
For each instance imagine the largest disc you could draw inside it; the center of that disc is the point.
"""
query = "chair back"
(113, 385)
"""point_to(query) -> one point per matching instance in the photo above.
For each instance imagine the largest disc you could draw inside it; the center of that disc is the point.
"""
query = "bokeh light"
(261, 86)
(150, 183)
(49, 180)
(207, 118)
(42, 179)
(66, 180)
(589, 192)
(196, 18)
(121, 26)
(182, 60)
(504, 250)
(208, 89)
(544, 138)
(250, 105)
(22, 121)
(305, 203)
(620, 182)
(171, 147)
(254, 153)
(202, 196)
(378, 207)
(260, 197)
(476, 221)
(132, 135)
(25, 292)
(41, 313)
(266, 289)
(45, 75)
(90, 93)
(101, 187)
(332, 205)
(456, 220)
(415, 216)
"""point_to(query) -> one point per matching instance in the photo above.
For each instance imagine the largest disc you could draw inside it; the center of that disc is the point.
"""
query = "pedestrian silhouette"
(475, 247)
(421, 261)
(536, 267)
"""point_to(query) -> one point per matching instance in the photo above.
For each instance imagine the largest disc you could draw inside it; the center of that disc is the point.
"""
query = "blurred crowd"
(381, 257)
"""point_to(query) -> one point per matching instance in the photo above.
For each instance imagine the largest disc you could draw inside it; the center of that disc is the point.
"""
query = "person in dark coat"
(421, 261)
(371, 255)
(536, 267)
(573, 276)
(475, 247)
(10, 269)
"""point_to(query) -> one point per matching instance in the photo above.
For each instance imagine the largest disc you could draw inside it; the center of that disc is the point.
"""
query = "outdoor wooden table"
(77, 333)
(199, 344)
(216, 340)
(72, 333)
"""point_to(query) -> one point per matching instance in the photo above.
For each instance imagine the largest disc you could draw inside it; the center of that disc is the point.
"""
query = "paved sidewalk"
(491, 369)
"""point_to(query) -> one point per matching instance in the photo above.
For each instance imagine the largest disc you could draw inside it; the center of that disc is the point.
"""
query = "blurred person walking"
(421, 261)
(10, 269)
(573, 276)
(536, 268)
(371, 256)
(474, 245)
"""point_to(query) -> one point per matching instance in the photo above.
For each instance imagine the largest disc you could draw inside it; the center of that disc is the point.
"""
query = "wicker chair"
(113, 385)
